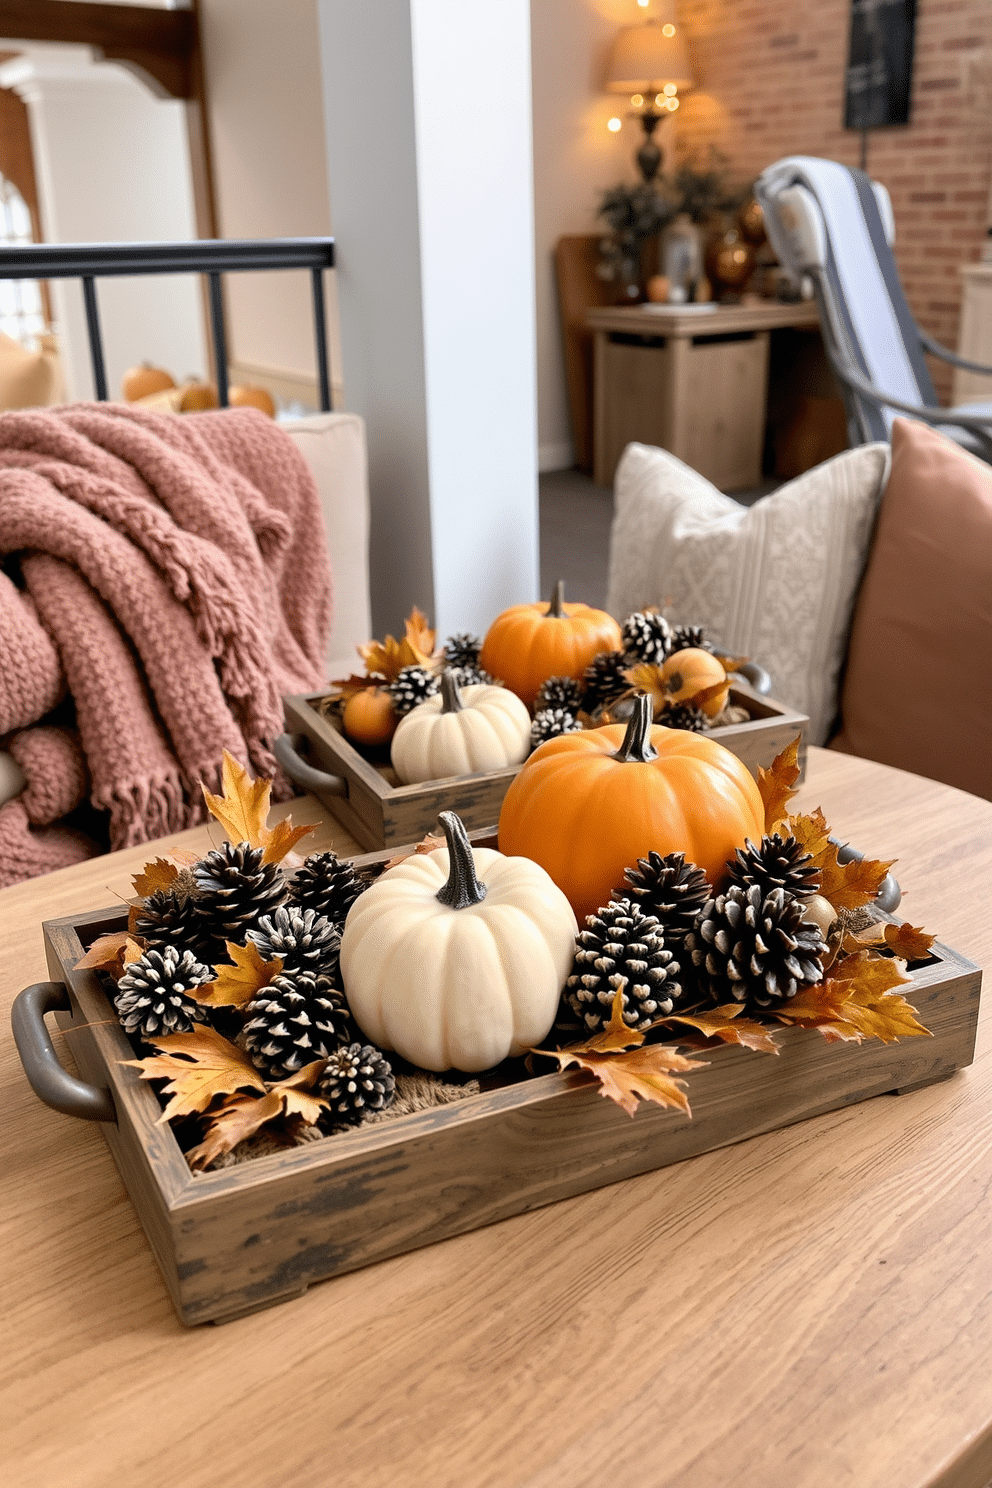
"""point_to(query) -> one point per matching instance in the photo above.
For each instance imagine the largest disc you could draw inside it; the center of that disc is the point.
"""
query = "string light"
(637, 100)
(613, 125)
(668, 29)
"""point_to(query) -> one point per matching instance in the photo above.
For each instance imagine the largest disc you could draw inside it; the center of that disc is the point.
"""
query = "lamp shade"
(644, 59)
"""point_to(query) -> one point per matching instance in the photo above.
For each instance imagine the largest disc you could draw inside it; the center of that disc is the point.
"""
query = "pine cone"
(152, 996)
(671, 890)
(327, 886)
(413, 685)
(234, 889)
(559, 692)
(621, 947)
(462, 650)
(647, 636)
(550, 722)
(302, 939)
(689, 637)
(683, 716)
(358, 1079)
(168, 917)
(755, 948)
(296, 1018)
(603, 680)
(779, 863)
(472, 676)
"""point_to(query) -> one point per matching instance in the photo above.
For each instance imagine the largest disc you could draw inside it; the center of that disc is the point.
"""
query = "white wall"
(112, 165)
(262, 68)
(427, 106)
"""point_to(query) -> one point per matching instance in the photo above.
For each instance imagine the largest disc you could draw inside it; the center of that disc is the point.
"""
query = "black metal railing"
(210, 256)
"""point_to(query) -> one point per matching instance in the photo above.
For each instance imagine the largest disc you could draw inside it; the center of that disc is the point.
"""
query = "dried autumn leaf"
(133, 950)
(850, 885)
(108, 953)
(908, 942)
(199, 1066)
(184, 855)
(157, 875)
(419, 634)
(282, 838)
(856, 1000)
(386, 659)
(236, 985)
(647, 678)
(727, 1024)
(241, 1115)
(812, 834)
(244, 805)
(777, 784)
(634, 1074)
(134, 908)
(820, 1006)
(706, 695)
(427, 844)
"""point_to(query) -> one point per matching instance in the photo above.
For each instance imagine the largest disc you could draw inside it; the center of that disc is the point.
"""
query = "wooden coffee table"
(810, 1308)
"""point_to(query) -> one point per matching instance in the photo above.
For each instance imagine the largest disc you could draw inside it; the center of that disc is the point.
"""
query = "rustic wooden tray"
(379, 812)
(246, 1237)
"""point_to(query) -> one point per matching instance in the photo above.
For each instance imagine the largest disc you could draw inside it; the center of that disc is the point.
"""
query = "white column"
(427, 107)
(112, 165)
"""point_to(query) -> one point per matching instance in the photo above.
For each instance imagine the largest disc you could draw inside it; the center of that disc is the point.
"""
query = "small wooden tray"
(379, 812)
(246, 1237)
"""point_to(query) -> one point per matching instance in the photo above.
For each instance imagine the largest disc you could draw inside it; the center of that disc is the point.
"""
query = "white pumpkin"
(456, 958)
(461, 731)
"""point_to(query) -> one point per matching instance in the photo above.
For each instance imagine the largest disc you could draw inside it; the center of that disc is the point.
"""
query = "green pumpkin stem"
(463, 888)
(637, 747)
(555, 610)
(451, 698)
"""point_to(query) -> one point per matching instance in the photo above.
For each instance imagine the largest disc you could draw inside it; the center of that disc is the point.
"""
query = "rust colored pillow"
(917, 691)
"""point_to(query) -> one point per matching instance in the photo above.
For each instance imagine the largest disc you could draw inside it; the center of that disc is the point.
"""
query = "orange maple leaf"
(850, 885)
(777, 784)
(199, 1066)
(644, 677)
(908, 942)
(726, 1024)
(856, 1000)
(241, 1115)
(388, 658)
(157, 875)
(237, 984)
(243, 808)
(419, 634)
(812, 834)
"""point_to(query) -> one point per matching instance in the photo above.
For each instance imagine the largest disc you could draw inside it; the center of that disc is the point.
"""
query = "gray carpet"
(575, 533)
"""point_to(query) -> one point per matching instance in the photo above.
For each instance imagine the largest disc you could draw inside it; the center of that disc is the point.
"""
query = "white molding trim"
(555, 457)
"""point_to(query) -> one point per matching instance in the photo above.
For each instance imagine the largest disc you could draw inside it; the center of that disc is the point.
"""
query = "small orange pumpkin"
(139, 382)
(369, 716)
(529, 643)
(588, 805)
(688, 672)
(198, 397)
(246, 396)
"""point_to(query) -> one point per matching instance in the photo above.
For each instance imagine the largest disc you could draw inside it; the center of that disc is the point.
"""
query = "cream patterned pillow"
(776, 581)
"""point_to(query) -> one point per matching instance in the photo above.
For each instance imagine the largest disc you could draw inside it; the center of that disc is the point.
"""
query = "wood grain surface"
(809, 1308)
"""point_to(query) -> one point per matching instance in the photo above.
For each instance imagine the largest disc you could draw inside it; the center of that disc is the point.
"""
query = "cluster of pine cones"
(302, 1014)
(647, 637)
(415, 684)
(670, 943)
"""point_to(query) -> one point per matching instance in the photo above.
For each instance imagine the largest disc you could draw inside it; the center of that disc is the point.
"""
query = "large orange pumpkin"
(588, 805)
(529, 643)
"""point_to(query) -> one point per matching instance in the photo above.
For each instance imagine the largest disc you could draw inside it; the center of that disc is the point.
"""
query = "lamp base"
(649, 156)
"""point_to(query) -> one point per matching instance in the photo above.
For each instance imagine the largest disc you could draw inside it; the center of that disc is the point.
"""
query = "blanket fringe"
(145, 809)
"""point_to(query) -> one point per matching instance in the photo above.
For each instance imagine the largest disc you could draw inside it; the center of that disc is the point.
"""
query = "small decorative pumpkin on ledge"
(529, 643)
(456, 958)
(588, 805)
(369, 716)
(688, 672)
(461, 731)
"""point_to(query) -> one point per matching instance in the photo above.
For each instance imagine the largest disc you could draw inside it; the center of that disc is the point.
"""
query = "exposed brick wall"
(772, 82)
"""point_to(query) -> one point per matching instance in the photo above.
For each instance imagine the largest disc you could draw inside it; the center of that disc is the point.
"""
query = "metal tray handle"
(46, 1076)
(302, 774)
(759, 679)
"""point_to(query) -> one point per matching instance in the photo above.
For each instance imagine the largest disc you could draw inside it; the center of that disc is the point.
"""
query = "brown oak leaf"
(199, 1066)
(726, 1024)
(908, 942)
(237, 984)
(111, 953)
(777, 784)
(157, 875)
(240, 1116)
(243, 808)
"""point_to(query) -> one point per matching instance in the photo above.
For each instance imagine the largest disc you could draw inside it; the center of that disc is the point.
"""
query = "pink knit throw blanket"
(172, 573)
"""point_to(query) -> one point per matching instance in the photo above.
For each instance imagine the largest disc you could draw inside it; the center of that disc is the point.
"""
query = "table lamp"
(651, 64)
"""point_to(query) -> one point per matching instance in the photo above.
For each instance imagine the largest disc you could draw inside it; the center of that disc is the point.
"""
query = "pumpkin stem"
(555, 609)
(463, 888)
(451, 698)
(637, 747)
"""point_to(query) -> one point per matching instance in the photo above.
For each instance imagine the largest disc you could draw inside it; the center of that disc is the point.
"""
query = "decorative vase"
(681, 260)
(751, 222)
(729, 261)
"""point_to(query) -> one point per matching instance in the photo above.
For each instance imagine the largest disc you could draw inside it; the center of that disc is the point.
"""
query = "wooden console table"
(694, 382)
(811, 1307)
